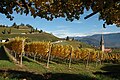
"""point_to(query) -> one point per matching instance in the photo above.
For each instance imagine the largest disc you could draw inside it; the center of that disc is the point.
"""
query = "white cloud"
(65, 31)
(111, 32)
(65, 34)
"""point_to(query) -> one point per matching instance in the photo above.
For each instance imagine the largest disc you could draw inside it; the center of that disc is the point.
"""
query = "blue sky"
(62, 28)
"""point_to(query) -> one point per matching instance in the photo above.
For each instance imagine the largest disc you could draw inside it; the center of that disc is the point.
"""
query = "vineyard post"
(88, 58)
(50, 46)
(23, 43)
(97, 58)
(35, 56)
(102, 57)
(15, 54)
(70, 57)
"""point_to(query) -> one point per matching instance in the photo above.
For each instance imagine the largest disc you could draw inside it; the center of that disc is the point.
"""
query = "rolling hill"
(111, 40)
(36, 35)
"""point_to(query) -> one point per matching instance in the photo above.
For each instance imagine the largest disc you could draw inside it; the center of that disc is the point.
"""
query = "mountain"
(110, 40)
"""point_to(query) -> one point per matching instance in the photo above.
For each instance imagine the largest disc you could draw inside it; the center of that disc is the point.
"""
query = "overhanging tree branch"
(88, 16)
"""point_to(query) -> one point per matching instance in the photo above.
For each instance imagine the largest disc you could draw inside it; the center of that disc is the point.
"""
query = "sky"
(62, 28)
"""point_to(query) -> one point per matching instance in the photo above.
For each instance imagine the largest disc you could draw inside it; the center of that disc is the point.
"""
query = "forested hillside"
(111, 40)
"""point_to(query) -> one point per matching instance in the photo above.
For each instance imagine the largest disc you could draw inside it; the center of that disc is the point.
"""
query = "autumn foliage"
(109, 10)
(41, 50)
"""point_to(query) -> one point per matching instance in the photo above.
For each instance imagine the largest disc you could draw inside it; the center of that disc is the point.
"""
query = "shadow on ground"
(3, 55)
(12, 74)
(112, 71)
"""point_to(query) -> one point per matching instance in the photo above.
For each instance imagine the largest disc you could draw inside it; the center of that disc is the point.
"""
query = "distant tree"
(14, 24)
(40, 31)
(36, 29)
(67, 38)
(22, 24)
(73, 39)
(6, 26)
(28, 25)
(9, 32)
(18, 27)
(51, 33)
(32, 30)
(4, 32)
(2, 26)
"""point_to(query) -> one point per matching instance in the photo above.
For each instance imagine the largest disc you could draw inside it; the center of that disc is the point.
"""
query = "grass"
(5, 64)
(34, 66)
(57, 71)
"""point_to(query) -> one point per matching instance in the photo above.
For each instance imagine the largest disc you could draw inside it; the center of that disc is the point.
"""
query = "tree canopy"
(109, 10)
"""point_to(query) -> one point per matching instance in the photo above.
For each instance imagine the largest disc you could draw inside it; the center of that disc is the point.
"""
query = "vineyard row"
(43, 49)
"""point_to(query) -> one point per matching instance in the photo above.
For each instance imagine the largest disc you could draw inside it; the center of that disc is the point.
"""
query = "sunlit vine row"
(37, 49)
(16, 44)
(41, 49)
(61, 51)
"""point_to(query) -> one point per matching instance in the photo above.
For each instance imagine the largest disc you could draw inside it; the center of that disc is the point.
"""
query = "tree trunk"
(87, 64)
(15, 54)
(35, 56)
(21, 59)
(97, 59)
(50, 46)
(22, 52)
(70, 58)
(101, 58)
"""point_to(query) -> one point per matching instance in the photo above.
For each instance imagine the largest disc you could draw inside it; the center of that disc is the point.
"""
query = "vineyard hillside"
(75, 44)
(39, 35)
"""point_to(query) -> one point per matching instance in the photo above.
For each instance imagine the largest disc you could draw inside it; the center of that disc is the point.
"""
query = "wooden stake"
(50, 46)
(70, 58)
(88, 59)
(22, 52)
